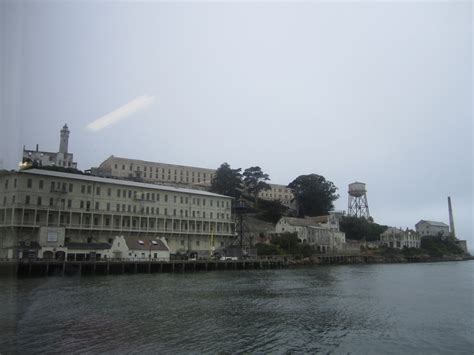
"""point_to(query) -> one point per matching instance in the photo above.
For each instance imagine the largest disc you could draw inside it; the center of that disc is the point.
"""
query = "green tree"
(227, 181)
(358, 228)
(314, 195)
(270, 210)
(290, 244)
(268, 249)
(255, 180)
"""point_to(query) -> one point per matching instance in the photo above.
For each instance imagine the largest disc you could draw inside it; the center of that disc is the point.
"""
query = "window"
(108, 206)
(6, 183)
(182, 242)
(27, 200)
(166, 198)
(89, 189)
(97, 205)
(39, 202)
(118, 207)
(174, 199)
(82, 204)
(97, 190)
(29, 182)
(197, 243)
(83, 189)
(69, 203)
(118, 192)
(123, 167)
(109, 191)
(41, 184)
(51, 202)
(52, 236)
(14, 183)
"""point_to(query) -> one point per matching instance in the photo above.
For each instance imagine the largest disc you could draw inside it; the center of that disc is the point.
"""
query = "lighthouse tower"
(64, 141)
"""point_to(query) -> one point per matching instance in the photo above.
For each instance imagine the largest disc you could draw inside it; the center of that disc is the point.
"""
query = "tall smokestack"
(451, 219)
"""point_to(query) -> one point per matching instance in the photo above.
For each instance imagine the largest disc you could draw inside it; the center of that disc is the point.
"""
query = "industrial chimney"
(451, 219)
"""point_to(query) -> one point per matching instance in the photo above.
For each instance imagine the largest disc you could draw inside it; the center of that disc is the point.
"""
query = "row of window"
(129, 222)
(163, 170)
(121, 193)
(181, 179)
(87, 205)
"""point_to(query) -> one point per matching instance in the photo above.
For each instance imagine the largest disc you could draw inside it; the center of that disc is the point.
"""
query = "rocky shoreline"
(375, 259)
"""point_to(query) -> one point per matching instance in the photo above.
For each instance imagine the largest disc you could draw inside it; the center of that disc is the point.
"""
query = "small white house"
(147, 249)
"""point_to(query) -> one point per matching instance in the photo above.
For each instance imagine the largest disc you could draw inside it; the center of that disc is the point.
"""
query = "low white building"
(432, 228)
(140, 249)
(321, 232)
(398, 238)
(53, 247)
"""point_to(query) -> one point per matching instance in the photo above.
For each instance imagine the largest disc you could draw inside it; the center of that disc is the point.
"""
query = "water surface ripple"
(368, 309)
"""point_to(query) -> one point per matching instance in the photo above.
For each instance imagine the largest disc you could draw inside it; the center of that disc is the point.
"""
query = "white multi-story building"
(154, 172)
(55, 208)
(425, 228)
(321, 232)
(62, 158)
(398, 238)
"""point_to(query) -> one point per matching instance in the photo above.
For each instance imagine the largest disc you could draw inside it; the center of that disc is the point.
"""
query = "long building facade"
(41, 207)
(176, 175)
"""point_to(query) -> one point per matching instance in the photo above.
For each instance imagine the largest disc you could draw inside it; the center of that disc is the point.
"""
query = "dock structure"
(117, 267)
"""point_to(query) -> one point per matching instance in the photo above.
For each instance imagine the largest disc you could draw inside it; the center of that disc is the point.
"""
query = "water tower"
(358, 205)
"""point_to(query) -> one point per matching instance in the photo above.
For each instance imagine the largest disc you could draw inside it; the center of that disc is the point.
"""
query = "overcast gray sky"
(378, 92)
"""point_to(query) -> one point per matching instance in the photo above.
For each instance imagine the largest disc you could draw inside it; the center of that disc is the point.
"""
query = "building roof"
(134, 243)
(433, 223)
(393, 230)
(88, 246)
(303, 222)
(89, 178)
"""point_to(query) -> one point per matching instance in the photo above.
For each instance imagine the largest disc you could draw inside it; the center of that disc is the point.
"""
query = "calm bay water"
(367, 309)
